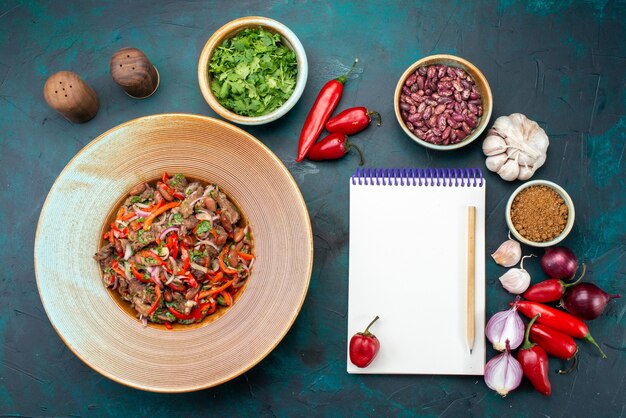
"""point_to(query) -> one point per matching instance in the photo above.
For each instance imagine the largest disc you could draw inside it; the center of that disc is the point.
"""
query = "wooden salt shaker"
(69, 95)
(131, 69)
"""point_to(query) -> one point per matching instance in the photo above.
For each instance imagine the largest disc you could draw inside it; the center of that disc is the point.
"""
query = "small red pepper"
(556, 344)
(164, 177)
(116, 268)
(138, 275)
(550, 290)
(324, 105)
(352, 120)
(333, 147)
(363, 347)
(534, 361)
(558, 320)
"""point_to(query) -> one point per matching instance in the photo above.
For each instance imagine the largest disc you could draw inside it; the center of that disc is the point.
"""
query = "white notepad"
(408, 265)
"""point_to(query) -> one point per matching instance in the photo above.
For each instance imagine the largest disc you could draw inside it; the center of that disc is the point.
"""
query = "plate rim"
(300, 304)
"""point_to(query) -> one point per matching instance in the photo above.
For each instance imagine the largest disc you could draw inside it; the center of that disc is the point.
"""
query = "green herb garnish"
(204, 226)
(135, 199)
(254, 73)
(177, 219)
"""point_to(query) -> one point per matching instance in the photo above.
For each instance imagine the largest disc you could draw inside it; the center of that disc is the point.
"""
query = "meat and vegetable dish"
(177, 250)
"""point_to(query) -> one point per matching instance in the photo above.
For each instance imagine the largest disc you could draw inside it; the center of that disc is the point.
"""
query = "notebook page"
(408, 264)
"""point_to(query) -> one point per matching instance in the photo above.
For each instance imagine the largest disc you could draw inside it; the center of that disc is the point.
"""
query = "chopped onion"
(199, 267)
(129, 251)
(116, 283)
(193, 202)
(144, 321)
(127, 270)
(142, 205)
(170, 279)
(154, 275)
(174, 265)
(163, 252)
(208, 191)
(206, 242)
(142, 213)
(168, 230)
(204, 216)
(216, 218)
(215, 265)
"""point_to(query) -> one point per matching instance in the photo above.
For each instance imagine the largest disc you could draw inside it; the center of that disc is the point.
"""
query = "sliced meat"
(186, 208)
(227, 207)
(140, 238)
(104, 253)
(178, 183)
(181, 304)
(146, 194)
(191, 222)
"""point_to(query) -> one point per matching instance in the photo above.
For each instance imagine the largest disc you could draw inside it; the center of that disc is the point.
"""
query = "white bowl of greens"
(252, 70)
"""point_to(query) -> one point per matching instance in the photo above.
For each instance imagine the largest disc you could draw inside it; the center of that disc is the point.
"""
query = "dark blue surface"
(561, 63)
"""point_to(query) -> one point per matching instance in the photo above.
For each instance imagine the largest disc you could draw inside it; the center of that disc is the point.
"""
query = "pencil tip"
(470, 351)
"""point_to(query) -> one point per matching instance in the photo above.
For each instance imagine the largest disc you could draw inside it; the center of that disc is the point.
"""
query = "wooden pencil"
(471, 244)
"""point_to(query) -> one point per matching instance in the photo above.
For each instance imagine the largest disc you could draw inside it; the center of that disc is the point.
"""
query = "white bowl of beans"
(443, 102)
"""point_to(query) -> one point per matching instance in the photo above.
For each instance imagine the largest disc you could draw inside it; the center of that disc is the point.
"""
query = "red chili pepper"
(332, 147)
(555, 342)
(167, 188)
(324, 105)
(179, 196)
(550, 290)
(558, 320)
(168, 325)
(352, 120)
(179, 315)
(534, 361)
(364, 346)
(165, 176)
(184, 255)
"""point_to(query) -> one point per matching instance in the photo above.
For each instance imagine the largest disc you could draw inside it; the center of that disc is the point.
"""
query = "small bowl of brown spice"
(540, 213)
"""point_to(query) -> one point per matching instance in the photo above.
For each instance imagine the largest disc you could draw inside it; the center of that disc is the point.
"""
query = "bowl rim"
(231, 28)
(69, 166)
(474, 72)
(568, 202)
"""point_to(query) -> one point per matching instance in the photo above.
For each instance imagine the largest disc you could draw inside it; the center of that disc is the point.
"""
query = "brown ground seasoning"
(539, 213)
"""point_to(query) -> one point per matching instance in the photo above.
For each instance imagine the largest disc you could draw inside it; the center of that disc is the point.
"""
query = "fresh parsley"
(203, 227)
(254, 73)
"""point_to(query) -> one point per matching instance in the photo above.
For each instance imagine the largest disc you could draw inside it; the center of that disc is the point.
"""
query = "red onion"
(116, 283)
(587, 301)
(559, 263)
(505, 327)
(142, 213)
(128, 253)
(154, 275)
(168, 230)
(503, 373)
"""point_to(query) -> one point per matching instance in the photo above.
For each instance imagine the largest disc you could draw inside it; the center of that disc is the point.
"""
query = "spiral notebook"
(408, 265)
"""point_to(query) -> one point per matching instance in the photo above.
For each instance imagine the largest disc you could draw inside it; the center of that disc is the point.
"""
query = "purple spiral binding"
(446, 177)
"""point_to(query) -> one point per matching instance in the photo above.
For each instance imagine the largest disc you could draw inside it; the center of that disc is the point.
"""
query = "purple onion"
(559, 263)
(587, 301)
(503, 373)
(505, 327)
(168, 230)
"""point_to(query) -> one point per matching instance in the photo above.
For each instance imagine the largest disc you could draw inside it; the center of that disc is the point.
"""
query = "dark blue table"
(562, 65)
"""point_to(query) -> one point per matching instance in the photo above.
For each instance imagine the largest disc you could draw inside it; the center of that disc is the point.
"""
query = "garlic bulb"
(516, 280)
(508, 254)
(515, 147)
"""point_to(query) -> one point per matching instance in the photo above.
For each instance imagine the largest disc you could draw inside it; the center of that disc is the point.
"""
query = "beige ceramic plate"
(88, 319)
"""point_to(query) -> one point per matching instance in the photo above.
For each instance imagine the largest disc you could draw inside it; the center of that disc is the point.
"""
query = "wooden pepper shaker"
(69, 95)
(131, 69)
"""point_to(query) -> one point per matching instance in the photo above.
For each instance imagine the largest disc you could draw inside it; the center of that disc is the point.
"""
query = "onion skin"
(587, 301)
(559, 263)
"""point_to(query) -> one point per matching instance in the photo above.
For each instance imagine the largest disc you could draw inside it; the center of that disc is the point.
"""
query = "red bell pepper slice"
(184, 254)
(227, 270)
(116, 268)
(156, 302)
(138, 274)
(172, 245)
(164, 177)
(179, 315)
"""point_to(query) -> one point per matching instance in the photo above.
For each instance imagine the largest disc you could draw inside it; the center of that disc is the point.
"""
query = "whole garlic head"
(515, 147)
